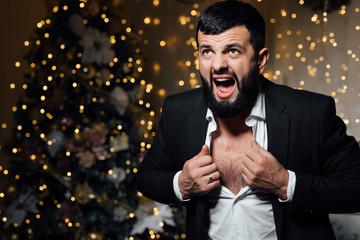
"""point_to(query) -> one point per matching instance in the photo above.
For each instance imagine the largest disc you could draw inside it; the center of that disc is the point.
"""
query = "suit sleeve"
(337, 188)
(156, 172)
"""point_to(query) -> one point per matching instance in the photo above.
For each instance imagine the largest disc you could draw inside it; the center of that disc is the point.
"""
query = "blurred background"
(85, 79)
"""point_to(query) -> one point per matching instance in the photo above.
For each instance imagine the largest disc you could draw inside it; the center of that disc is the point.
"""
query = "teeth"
(222, 79)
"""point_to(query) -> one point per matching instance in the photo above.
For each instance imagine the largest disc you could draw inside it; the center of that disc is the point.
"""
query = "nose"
(219, 63)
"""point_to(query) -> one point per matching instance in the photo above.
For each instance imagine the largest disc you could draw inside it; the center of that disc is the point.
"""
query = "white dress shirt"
(249, 214)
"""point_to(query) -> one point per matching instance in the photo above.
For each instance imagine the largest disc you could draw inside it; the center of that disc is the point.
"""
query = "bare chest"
(227, 154)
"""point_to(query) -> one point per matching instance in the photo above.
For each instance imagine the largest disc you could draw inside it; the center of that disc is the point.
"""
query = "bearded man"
(248, 158)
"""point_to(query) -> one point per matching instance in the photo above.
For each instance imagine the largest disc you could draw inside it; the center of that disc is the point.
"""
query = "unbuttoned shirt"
(247, 215)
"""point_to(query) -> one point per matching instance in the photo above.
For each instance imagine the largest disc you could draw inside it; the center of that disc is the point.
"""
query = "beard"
(247, 92)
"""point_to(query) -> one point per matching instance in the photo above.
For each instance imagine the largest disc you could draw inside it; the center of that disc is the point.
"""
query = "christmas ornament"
(120, 213)
(86, 72)
(86, 158)
(84, 193)
(121, 99)
(66, 121)
(96, 135)
(20, 207)
(55, 140)
(150, 215)
(97, 47)
(120, 143)
(116, 175)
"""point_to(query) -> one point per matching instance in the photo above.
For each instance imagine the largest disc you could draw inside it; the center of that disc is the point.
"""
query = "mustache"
(223, 72)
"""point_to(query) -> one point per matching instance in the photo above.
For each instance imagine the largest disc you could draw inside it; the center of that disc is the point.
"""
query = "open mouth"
(225, 86)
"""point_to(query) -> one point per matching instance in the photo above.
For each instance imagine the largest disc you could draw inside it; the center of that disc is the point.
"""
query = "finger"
(253, 154)
(214, 184)
(246, 179)
(214, 176)
(209, 180)
(248, 164)
(208, 169)
(255, 145)
(204, 151)
(247, 173)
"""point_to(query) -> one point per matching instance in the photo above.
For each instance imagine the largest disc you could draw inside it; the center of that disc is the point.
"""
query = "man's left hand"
(261, 170)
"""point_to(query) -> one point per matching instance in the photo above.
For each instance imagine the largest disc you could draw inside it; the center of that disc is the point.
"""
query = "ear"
(263, 59)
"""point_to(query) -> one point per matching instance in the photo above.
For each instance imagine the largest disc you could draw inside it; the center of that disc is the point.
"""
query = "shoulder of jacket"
(300, 96)
(187, 98)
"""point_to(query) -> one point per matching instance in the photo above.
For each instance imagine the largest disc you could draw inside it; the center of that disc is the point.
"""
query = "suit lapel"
(278, 122)
(278, 125)
(197, 127)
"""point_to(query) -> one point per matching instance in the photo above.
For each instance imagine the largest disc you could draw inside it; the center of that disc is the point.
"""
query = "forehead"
(238, 34)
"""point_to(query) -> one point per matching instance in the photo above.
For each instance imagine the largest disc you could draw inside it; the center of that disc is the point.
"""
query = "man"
(250, 159)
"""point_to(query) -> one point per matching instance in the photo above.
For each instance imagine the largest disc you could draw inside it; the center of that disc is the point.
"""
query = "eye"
(233, 51)
(206, 52)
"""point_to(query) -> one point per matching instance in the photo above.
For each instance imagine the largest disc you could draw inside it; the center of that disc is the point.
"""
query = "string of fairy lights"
(314, 53)
(305, 45)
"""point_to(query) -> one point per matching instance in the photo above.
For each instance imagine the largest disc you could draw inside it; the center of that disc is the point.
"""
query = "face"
(229, 70)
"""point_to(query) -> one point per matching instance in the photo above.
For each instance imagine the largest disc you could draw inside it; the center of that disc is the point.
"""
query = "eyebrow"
(235, 45)
(205, 46)
(226, 46)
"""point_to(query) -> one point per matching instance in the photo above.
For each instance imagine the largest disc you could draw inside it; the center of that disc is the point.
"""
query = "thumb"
(204, 151)
(254, 144)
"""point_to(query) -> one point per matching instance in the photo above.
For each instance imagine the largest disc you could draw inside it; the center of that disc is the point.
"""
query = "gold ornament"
(84, 193)
(87, 72)
(99, 126)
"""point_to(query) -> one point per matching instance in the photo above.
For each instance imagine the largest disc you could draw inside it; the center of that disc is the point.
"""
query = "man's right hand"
(199, 175)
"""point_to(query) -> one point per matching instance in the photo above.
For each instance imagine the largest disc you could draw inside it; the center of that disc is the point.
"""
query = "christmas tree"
(82, 128)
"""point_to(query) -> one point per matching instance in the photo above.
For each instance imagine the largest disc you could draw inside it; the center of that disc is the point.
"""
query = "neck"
(233, 126)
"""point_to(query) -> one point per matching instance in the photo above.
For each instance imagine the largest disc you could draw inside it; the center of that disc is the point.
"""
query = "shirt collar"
(258, 110)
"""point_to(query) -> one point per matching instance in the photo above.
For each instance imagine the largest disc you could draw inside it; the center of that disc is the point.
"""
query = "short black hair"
(224, 15)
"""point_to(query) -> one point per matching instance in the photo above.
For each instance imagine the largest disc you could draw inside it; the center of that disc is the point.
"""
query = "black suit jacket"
(304, 135)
